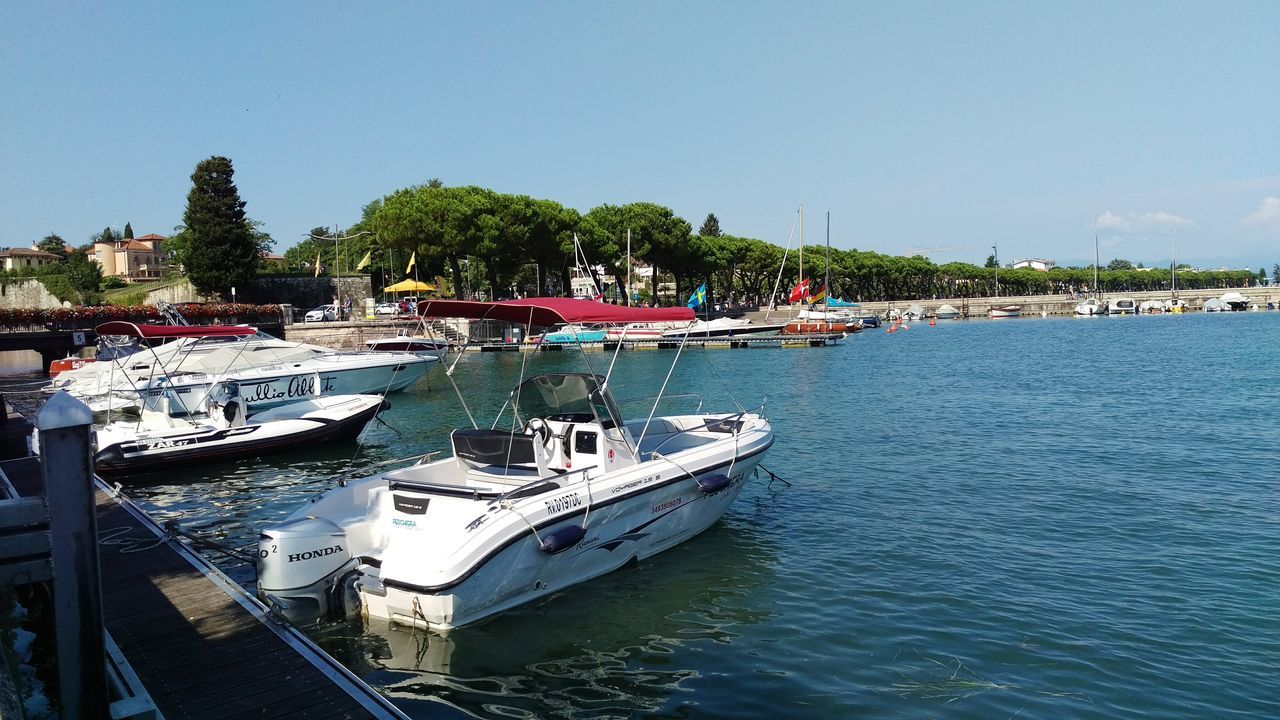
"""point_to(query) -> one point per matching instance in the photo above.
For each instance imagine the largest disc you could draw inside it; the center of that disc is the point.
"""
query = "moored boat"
(1121, 306)
(947, 312)
(1233, 302)
(1091, 307)
(1004, 311)
(572, 490)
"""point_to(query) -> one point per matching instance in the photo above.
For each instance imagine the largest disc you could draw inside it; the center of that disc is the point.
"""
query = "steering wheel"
(540, 428)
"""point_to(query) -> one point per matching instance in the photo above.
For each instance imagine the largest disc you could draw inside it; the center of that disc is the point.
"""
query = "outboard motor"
(303, 566)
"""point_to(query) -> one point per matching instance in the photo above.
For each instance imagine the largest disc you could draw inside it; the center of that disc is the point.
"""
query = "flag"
(364, 262)
(819, 296)
(317, 266)
(413, 260)
(800, 291)
(699, 296)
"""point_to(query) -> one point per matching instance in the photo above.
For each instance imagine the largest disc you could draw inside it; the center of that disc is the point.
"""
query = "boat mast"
(1096, 290)
(826, 286)
(1173, 268)
(628, 289)
(802, 243)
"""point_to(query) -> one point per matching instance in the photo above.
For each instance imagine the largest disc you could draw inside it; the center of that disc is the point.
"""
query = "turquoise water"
(1034, 518)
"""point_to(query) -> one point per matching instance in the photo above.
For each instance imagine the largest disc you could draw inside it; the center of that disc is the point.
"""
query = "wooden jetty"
(164, 633)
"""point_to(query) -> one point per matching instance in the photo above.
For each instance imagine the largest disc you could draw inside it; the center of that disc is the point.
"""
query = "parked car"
(324, 313)
(387, 308)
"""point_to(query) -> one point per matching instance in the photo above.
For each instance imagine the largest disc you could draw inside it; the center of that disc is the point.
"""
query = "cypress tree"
(710, 226)
(128, 231)
(223, 251)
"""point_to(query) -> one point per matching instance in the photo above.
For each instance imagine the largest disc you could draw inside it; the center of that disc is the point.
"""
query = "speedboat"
(720, 327)
(947, 312)
(1175, 305)
(564, 490)
(914, 312)
(270, 371)
(413, 344)
(1151, 307)
(1121, 306)
(1233, 302)
(1092, 307)
(1005, 311)
(572, 334)
(1213, 305)
(226, 429)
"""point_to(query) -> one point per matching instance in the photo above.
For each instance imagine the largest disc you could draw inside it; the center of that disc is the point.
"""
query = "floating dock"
(742, 341)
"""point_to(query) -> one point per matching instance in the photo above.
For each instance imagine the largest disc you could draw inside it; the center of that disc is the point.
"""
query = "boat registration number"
(562, 503)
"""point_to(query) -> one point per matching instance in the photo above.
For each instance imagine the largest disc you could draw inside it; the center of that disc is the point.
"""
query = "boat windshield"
(569, 397)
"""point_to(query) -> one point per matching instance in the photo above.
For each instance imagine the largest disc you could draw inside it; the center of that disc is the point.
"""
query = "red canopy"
(550, 311)
(120, 327)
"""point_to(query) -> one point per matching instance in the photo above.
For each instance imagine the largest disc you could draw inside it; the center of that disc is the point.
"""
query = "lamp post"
(337, 269)
(537, 276)
(995, 257)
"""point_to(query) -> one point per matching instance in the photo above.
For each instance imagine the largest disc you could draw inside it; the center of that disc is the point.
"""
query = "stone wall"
(300, 292)
(27, 293)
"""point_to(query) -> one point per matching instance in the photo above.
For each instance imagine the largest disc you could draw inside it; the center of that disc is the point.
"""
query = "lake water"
(1033, 518)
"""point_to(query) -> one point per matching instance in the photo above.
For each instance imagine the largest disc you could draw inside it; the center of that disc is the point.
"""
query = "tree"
(128, 231)
(53, 243)
(224, 251)
(108, 235)
(710, 226)
(1275, 274)
(991, 261)
(1262, 276)
(1118, 264)
(84, 275)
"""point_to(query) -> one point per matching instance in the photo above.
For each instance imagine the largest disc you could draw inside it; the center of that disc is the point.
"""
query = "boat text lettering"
(673, 503)
(564, 502)
(312, 554)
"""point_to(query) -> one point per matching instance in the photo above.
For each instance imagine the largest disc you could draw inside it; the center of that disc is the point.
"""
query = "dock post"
(66, 467)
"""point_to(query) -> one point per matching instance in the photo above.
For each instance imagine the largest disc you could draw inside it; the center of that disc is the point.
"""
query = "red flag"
(800, 291)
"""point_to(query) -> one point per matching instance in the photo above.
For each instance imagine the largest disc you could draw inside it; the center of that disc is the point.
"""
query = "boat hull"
(1005, 311)
(208, 443)
(619, 532)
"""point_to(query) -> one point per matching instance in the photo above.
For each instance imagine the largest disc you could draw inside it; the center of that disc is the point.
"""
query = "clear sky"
(954, 125)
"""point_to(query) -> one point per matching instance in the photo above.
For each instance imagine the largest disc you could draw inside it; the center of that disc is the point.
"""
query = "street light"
(537, 276)
(337, 269)
(995, 258)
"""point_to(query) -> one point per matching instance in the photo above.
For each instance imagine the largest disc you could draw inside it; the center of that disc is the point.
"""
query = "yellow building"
(23, 258)
(137, 259)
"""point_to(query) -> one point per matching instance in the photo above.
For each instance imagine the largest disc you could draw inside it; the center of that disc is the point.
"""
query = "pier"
(145, 625)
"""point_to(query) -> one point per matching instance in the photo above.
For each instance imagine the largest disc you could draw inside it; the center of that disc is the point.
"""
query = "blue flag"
(699, 296)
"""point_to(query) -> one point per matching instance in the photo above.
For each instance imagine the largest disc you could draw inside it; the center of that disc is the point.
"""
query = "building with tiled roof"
(141, 258)
(22, 258)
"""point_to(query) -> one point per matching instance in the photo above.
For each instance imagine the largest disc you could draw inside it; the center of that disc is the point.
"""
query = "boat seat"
(489, 455)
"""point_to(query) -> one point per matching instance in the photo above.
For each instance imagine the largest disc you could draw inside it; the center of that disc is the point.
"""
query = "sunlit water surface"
(1035, 518)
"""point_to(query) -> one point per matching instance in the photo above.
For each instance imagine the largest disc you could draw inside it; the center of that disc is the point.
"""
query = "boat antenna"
(773, 296)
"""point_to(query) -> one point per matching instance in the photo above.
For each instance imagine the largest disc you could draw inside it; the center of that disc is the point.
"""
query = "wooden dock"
(202, 647)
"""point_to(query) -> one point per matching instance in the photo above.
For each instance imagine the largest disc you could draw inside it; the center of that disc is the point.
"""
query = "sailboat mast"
(802, 243)
(1173, 268)
(826, 283)
(1096, 290)
(628, 266)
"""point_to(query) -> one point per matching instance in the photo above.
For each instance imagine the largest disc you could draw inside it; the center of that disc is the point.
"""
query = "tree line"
(480, 238)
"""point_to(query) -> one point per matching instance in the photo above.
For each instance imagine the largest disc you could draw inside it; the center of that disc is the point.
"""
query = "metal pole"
(66, 467)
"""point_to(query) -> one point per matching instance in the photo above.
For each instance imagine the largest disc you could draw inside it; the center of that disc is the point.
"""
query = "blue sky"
(952, 125)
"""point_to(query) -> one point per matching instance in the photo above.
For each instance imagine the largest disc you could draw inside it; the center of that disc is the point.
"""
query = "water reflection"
(625, 644)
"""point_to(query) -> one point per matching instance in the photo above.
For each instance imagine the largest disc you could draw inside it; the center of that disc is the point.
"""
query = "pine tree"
(128, 231)
(223, 251)
(710, 226)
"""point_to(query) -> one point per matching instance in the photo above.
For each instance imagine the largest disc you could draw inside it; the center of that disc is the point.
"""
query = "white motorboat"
(431, 347)
(1005, 311)
(570, 491)
(1233, 302)
(1092, 307)
(270, 371)
(1151, 307)
(721, 327)
(914, 312)
(1175, 305)
(1121, 306)
(164, 435)
(1213, 305)
(947, 312)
